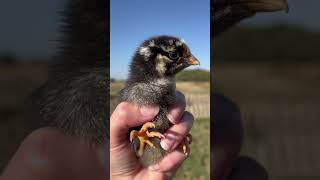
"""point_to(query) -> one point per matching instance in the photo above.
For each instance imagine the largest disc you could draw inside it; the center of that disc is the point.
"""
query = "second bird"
(151, 81)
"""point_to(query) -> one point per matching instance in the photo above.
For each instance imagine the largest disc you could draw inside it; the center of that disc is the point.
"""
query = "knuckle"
(189, 115)
(189, 118)
(122, 109)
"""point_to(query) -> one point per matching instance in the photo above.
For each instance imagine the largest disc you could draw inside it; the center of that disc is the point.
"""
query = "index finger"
(176, 110)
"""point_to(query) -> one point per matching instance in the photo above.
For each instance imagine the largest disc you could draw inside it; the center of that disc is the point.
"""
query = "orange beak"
(193, 61)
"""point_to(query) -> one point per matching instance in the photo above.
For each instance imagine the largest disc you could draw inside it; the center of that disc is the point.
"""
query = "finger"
(127, 115)
(176, 133)
(170, 162)
(31, 160)
(176, 110)
(48, 149)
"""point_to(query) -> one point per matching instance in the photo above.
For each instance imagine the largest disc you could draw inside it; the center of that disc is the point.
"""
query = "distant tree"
(277, 44)
(193, 75)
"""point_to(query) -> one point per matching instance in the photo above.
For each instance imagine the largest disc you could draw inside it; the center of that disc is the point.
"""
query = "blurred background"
(270, 66)
(28, 40)
(132, 22)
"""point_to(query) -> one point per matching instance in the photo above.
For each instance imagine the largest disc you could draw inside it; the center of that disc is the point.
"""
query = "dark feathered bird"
(152, 81)
(75, 96)
(226, 13)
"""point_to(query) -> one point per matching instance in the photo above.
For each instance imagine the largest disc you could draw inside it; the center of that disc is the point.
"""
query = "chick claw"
(144, 136)
(185, 144)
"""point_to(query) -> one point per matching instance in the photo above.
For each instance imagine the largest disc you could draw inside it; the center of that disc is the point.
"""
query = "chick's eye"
(173, 55)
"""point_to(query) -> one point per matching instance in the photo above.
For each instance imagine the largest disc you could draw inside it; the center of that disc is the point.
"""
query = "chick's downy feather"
(152, 81)
(75, 96)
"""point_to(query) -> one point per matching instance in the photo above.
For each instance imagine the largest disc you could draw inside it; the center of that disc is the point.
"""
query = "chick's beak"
(265, 5)
(193, 60)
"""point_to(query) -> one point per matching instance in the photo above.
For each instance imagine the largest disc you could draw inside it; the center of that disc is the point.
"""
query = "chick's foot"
(145, 136)
(185, 144)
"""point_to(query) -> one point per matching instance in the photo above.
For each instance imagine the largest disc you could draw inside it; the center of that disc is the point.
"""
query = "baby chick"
(152, 81)
(75, 97)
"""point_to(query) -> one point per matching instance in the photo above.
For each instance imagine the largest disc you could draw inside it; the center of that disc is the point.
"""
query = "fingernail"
(149, 111)
(173, 113)
(154, 167)
(168, 141)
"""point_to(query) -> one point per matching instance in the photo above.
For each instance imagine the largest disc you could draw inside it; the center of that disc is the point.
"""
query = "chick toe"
(145, 136)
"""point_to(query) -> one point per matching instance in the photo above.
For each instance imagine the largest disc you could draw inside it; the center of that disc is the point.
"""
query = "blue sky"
(134, 21)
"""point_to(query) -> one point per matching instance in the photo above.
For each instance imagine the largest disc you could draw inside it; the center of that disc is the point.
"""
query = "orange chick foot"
(144, 136)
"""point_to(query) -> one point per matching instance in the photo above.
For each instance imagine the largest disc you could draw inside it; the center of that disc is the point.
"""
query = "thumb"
(128, 115)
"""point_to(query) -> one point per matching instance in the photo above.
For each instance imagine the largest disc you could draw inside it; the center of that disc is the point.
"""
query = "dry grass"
(115, 87)
(185, 87)
(194, 87)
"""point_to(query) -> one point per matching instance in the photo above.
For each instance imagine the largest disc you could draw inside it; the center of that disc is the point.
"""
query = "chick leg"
(144, 136)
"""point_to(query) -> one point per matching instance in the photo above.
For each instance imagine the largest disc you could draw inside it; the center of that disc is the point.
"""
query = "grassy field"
(197, 165)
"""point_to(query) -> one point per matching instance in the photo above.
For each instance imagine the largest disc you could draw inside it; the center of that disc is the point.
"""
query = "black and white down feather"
(76, 94)
(152, 81)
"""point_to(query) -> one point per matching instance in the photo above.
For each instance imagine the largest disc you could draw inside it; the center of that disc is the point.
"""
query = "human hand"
(123, 161)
